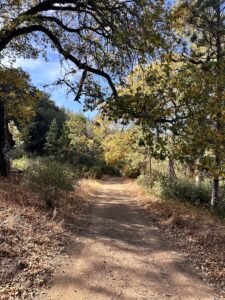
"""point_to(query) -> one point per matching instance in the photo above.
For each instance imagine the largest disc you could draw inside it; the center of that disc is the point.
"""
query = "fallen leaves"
(29, 241)
(198, 234)
(27, 248)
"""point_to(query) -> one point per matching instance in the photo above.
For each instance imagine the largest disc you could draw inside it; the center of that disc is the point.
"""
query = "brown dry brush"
(29, 241)
(199, 234)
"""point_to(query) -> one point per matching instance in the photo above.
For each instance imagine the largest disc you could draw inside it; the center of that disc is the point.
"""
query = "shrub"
(109, 170)
(21, 163)
(128, 171)
(18, 152)
(148, 181)
(49, 179)
(177, 188)
(187, 190)
(96, 172)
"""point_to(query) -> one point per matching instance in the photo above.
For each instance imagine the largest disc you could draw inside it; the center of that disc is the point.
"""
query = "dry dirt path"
(122, 255)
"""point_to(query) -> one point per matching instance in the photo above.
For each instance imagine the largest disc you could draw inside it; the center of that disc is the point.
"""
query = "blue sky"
(43, 73)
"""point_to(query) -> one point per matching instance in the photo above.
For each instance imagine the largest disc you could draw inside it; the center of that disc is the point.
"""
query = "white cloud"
(41, 72)
(44, 73)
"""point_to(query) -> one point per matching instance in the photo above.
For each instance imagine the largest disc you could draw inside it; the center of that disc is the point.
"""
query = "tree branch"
(69, 29)
(67, 55)
(81, 84)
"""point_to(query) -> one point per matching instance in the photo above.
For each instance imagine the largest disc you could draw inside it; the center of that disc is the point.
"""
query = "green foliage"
(18, 94)
(179, 99)
(20, 163)
(95, 172)
(186, 190)
(183, 189)
(51, 144)
(78, 143)
(49, 179)
(16, 134)
(35, 134)
(123, 153)
(148, 181)
(77, 129)
(17, 151)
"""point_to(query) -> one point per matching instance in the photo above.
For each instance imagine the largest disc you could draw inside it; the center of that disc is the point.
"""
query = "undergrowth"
(50, 179)
(189, 225)
(31, 236)
(182, 189)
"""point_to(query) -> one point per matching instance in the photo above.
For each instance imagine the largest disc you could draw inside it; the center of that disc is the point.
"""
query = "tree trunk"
(215, 192)
(170, 170)
(219, 101)
(150, 165)
(4, 142)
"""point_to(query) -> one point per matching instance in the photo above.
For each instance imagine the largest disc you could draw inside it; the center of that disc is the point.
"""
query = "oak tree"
(93, 38)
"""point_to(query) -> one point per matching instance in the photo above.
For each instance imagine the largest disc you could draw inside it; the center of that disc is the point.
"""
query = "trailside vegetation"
(152, 72)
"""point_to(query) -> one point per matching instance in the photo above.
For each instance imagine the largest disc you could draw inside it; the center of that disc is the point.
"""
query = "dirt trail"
(122, 255)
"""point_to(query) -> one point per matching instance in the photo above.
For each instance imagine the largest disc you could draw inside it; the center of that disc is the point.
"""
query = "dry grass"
(30, 238)
(196, 232)
(87, 187)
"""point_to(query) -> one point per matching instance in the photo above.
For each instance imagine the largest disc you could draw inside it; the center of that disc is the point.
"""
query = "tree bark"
(219, 100)
(170, 170)
(150, 165)
(4, 142)
(215, 192)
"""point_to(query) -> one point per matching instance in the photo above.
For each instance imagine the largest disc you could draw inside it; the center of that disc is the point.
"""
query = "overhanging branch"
(69, 29)
(67, 55)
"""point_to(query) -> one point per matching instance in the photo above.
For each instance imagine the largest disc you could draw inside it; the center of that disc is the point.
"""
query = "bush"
(148, 181)
(129, 172)
(109, 170)
(187, 190)
(177, 188)
(96, 172)
(17, 152)
(21, 163)
(49, 179)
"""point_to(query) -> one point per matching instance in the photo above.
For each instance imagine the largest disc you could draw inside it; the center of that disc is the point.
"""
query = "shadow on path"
(119, 254)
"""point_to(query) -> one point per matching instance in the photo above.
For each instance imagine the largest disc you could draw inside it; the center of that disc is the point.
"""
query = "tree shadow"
(124, 254)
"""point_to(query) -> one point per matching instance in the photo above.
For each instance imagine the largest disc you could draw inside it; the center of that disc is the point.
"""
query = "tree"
(17, 99)
(80, 142)
(64, 151)
(51, 144)
(175, 105)
(45, 111)
(93, 38)
(104, 29)
(17, 146)
(203, 23)
(78, 135)
(123, 153)
(184, 94)
(150, 100)
(4, 142)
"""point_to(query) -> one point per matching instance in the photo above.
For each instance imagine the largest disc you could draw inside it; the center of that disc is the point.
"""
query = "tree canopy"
(96, 37)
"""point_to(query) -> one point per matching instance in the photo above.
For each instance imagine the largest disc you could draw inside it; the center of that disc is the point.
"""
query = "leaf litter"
(31, 238)
(195, 232)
